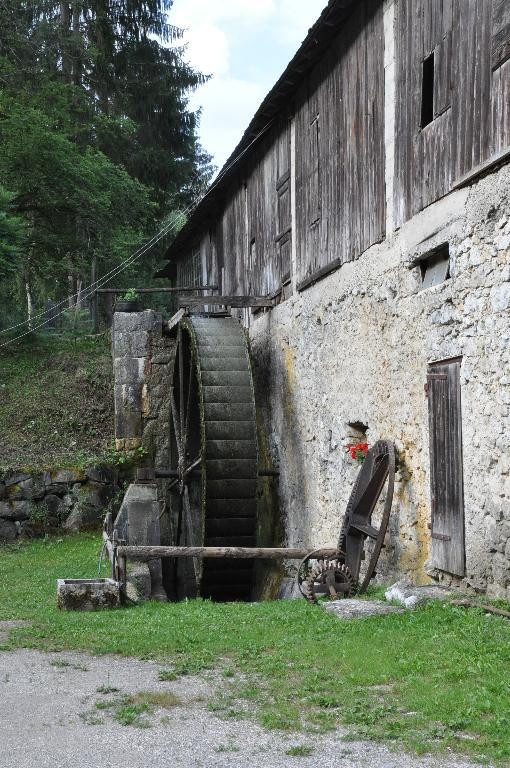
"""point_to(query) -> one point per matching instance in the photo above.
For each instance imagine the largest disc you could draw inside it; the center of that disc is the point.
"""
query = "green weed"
(300, 750)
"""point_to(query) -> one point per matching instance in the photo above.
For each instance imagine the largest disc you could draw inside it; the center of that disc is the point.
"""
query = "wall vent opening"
(435, 266)
(427, 91)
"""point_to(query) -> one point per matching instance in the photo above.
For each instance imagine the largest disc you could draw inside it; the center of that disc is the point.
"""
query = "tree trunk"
(94, 296)
(70, 300)
(76, 45)
(30, 302)
(79, 285)
(65, 23)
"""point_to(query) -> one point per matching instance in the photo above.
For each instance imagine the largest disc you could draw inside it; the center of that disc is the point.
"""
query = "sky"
(244, 45)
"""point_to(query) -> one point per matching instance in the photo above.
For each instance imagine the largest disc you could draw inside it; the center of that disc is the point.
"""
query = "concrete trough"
(87, 594)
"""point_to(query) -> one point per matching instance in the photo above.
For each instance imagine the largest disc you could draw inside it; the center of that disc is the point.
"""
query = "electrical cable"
(89, 290)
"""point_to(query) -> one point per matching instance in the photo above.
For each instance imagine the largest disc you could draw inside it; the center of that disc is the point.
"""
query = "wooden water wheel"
(213, 447)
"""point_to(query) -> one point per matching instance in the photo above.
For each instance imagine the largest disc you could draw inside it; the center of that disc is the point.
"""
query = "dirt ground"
(58, 710)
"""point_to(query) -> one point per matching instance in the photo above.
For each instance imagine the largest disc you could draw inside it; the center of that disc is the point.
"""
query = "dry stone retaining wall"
(35, 502)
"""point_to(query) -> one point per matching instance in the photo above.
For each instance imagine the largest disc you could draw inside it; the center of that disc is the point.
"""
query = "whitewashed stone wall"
(355, 347)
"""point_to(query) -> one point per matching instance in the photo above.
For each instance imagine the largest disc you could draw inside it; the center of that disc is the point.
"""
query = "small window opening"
(435, 266)
(427, 91)
(358, 428)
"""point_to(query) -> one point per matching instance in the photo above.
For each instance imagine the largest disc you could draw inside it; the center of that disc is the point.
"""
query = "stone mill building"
(370, 197)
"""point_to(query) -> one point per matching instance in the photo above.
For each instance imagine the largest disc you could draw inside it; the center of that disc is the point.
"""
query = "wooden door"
(446, 476)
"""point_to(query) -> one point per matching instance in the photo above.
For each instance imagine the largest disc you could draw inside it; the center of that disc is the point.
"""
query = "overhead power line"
(90, 289)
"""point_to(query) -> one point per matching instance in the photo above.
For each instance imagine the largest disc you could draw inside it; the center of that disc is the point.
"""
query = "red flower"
(357, 451)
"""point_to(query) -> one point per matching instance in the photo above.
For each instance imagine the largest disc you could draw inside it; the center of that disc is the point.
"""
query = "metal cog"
(329, 573)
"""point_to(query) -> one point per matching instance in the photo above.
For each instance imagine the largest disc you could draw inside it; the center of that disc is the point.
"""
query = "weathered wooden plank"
(446, 474)
(173, 289)
(270, 553)
(225, 301)
(339, 129)
(500, 33)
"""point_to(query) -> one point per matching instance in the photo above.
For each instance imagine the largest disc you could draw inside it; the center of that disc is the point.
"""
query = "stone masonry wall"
(142, 363)
(36, 502)
(355, 348)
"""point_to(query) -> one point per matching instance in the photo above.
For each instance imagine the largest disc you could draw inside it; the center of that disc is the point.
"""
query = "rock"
(83, 516)
(2, 491)
(87, 594)
(101, 473)
(8, 531)
(97, 495)
(13, 478)
(359, 609)
(139, 583)
(27, 529)
(67, 476)
(33, 488)
(500, 297)
(68, 501)
(410, 596)
(288, 590)
(14, 510)
(56, 508)
(5, 509)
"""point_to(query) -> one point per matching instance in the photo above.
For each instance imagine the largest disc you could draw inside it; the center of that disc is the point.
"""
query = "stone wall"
(33, 503)
(143, 364)
(355, 348)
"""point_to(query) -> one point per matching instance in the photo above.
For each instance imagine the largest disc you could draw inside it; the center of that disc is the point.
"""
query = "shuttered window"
(446, 472)
(314, 185)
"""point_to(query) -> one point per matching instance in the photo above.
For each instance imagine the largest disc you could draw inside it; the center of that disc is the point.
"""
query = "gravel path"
(49, 719)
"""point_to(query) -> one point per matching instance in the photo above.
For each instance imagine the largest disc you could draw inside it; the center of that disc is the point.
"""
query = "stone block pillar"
(142, 364)
(138, 524)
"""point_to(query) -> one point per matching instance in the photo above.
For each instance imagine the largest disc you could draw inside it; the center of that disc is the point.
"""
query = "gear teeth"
(320, 570)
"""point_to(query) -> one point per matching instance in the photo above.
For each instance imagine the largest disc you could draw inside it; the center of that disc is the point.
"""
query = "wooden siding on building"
(470, 41)
(340, 189)
(327, 203)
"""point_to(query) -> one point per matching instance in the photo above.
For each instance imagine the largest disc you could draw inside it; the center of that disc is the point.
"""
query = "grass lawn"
(435, 678)
(53, 388)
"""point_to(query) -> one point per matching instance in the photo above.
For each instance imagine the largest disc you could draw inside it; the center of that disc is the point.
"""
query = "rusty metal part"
(328, 577)
(376, 474)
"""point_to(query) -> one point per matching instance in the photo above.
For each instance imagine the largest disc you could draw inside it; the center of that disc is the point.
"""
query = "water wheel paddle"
(213, 445)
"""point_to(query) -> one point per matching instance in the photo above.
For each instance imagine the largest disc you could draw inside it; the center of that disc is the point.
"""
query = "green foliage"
(97, 142)
(13, 234)
(430, 679)
(130, 295)
(56, 402)
(299, 750)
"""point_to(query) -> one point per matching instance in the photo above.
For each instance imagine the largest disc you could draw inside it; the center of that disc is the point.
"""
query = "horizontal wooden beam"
(165, 472)
(269, 553)
(175, 289)
(226, 301)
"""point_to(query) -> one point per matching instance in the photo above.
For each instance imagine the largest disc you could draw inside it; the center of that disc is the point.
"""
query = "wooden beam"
(226, 301)
(270, 553)
(175, 320)
(486, 608)
(176, 289)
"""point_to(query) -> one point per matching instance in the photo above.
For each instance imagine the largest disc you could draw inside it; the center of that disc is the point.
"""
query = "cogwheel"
(328, 576)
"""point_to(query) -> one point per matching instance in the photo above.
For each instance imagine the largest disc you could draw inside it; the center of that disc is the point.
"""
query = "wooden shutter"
(284, 217)
(500, 32)
(314, 185)
(446, 476)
